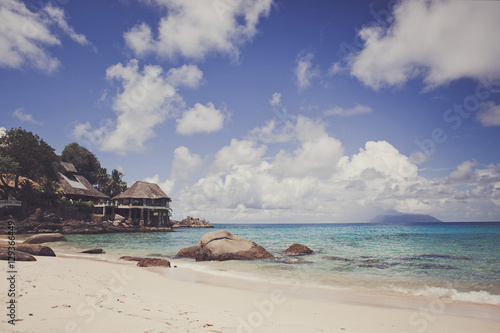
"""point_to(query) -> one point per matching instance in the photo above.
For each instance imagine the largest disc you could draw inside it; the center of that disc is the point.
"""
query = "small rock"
(153, 262)
(36, 250)
(298, 249)
(45, 238)
(94, 251)
(129, 258)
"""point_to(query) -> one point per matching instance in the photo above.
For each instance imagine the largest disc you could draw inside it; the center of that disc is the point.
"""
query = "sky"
(269, 110)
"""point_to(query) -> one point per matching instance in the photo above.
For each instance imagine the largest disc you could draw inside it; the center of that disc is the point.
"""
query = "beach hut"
(75, 186)
(143, 204)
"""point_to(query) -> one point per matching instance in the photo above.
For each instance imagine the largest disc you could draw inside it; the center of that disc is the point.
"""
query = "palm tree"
(116, 185)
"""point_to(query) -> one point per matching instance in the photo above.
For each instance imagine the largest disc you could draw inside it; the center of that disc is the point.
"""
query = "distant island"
(405, 218)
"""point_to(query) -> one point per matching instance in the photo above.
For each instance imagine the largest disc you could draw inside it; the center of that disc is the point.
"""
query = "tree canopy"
(85, 162)
(23, 153)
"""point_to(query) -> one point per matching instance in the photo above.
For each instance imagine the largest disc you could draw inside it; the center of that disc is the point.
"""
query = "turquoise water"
(459, 261)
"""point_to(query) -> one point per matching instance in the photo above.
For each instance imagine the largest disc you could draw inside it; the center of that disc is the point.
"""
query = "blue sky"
(269, 111)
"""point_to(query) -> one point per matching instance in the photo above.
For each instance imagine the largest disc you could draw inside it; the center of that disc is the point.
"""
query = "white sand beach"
(70, 294)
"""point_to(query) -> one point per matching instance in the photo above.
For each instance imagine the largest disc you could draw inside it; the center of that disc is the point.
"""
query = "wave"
(481, 297)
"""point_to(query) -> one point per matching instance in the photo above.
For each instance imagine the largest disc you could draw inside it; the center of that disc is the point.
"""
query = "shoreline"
(82, 293)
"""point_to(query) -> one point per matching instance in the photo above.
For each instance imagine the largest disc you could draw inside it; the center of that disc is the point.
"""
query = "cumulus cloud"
(3, 130)
(21, 115)
(312, 179)
(144, 100)
(489, 114)
(186, 75)
(195, 28)
(438, 40)
(200, 119)
(25, 36)
(185, 165)
(167, 186)
(341, 112)
(463, 173)
(304, 70)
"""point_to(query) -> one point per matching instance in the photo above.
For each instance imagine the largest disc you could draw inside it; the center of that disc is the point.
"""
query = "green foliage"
(85, 162)
(25, 154)
(115, 184)
(85, 207)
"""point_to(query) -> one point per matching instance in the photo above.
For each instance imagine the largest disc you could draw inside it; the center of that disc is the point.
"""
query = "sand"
(70, 294)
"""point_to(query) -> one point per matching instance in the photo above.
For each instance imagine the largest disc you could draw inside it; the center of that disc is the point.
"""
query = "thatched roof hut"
(143, 190)
(75, 186)
(143, 204)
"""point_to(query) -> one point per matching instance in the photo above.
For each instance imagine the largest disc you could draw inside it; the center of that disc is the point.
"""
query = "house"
(75, 186)
(142, 204)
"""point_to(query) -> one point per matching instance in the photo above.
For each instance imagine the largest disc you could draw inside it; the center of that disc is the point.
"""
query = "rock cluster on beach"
(31, 247)
(191, 222)
(223, 245)
(49, 222)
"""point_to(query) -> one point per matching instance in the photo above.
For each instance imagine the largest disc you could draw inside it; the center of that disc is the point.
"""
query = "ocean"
(454, 261)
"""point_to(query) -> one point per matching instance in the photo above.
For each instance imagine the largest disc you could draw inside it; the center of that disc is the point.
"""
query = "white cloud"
(438, 40)
(186, 75)
(144, 101)
(26, 35)
(304, 70)
(338, 111)
(489, 114)
(25, 117)
(336, 68)
(195, 28)
(185, 165)
(200, 119)
(275, 99)
(317, 154)
(3, 130)
(463, 173)
(167, 186)
(312, 180)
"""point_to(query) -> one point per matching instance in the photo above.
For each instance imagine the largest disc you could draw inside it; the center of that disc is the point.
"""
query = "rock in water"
(298, 249)
(129, 258)
(223, 245)
(19, 256)
(188, 252)
(45, 238)
(191, 222)
(94, 251)
(36, 250)
(153, 262)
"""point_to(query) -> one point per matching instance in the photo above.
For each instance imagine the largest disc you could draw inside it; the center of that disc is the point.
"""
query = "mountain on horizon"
(405, 218)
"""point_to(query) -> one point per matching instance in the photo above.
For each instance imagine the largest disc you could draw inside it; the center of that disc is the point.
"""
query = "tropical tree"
(85, 162)
(8, 170)
(116, 185)
(23, 153)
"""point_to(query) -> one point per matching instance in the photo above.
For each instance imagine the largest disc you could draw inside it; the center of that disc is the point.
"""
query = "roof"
(74, 184)
(143, 190)
(66, 167)
(79, 185)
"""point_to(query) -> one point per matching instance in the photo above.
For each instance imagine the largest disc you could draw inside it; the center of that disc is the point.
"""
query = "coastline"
(72, 293)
